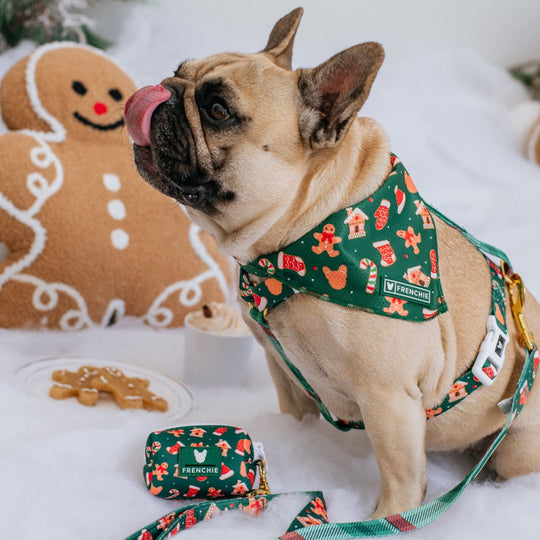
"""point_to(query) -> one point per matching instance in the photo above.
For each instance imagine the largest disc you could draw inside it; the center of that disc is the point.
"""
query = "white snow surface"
(449, 115)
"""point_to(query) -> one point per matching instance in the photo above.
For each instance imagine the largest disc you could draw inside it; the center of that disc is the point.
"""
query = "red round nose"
(100, 108)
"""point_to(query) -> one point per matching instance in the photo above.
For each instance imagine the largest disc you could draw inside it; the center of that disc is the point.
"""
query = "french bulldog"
(259, 154)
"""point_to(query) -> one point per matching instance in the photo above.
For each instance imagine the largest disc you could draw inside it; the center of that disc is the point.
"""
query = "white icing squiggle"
(190, 291)
(45, 298)
(42, 157)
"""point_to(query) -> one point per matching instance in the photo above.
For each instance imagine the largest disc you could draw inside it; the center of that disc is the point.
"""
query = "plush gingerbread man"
(83, 240)
(327, 239)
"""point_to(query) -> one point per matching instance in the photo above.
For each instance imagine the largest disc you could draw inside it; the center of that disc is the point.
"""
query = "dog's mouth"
(165, 151)
(102, 127)
(187, 187)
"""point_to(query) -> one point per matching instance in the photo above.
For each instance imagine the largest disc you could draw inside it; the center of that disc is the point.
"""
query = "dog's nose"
(193, 195)
(139, 109)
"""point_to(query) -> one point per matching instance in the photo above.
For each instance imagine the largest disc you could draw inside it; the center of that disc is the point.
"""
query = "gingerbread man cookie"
(83, 240)
(129, 392)
(75, 384)
(411, 239)
(327, 239)
(396, 306)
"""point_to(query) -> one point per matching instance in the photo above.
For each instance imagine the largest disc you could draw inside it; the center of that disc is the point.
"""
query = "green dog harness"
(379, 256)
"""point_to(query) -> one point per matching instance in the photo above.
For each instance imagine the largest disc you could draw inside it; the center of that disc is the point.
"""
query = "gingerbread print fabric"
(211, 461)
(379, 255)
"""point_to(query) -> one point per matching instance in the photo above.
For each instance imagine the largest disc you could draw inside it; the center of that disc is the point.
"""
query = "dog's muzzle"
(165, 149)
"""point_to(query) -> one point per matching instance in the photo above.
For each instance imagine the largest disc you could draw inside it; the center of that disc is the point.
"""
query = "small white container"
(214, 359)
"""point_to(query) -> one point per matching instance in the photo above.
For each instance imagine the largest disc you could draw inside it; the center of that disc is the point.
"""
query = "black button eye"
(115, 94)
(79, 87)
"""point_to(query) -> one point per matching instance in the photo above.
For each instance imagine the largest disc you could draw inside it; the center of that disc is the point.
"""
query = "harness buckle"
(491, 350)
(516, 288)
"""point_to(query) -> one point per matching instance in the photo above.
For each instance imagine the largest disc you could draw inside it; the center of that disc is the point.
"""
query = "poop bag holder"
(202, 461)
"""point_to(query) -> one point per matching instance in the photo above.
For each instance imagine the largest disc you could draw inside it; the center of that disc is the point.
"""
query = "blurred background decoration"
(529, 75)
(42, 21)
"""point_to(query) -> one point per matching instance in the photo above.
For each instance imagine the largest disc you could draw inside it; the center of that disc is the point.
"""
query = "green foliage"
(93, 39)
(529, 75)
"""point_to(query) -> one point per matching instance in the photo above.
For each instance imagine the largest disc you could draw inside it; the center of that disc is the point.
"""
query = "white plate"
(36, 376)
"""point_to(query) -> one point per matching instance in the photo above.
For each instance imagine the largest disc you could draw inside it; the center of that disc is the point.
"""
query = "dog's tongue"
(139, 109)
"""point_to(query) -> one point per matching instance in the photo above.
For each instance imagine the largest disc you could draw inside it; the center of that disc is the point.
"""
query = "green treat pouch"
(201, 461)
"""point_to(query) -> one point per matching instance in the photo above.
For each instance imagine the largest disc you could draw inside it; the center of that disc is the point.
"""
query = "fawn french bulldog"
(260, 154)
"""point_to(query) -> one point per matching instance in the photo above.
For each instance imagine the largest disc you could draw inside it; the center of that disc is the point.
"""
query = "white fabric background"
(447, 106)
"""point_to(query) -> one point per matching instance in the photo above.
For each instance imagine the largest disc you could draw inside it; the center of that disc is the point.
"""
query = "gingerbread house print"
(356, 220)
(197, 432)
(457, 391)
(423, 212)
(225, 447)
(415, 276)
(240, 488)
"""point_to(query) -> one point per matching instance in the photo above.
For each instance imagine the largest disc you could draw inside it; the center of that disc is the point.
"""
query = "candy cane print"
(174, 493)
(245, 290)
(433, 259)
(265, 263)
(372, 278)
(428, 313)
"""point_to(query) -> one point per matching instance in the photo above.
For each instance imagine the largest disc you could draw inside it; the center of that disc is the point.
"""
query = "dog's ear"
(281, 40)
(334, 92)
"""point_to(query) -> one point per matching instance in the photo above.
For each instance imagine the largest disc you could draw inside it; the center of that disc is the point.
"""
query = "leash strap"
(311, 523)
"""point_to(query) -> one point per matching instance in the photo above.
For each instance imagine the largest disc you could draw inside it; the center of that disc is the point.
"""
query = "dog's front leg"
(291, 399)
(395, 423)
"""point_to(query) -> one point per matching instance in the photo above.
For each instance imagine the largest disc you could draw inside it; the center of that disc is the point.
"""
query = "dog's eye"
(218, 111)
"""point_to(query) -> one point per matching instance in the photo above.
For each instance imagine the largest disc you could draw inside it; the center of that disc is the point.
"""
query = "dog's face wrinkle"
(181, 65)
(173, 145)
(170, 164)
(210, 91)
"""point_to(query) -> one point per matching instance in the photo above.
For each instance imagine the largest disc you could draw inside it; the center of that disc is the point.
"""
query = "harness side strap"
(478, 244)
